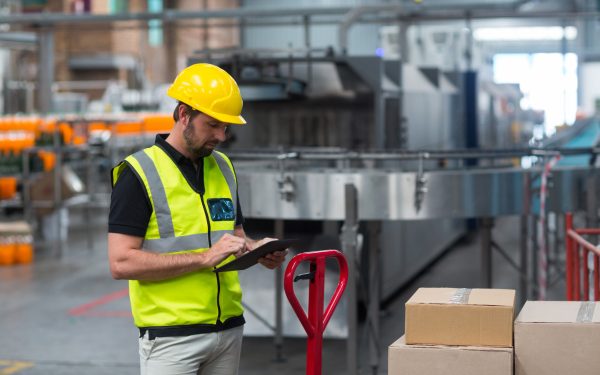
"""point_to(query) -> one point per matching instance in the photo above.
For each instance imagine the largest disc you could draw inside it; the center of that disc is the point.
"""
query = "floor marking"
(87, 308)
(12, 367)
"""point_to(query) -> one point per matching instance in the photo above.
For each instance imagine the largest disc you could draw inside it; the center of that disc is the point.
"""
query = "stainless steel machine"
(375, 151)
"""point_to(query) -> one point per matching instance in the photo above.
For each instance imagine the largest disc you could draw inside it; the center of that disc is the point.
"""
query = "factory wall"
(158, 63)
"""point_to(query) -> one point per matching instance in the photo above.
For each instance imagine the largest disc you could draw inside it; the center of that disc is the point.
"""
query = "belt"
(192, 329)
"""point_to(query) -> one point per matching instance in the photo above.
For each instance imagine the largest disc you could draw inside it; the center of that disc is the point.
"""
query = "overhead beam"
(404, 12)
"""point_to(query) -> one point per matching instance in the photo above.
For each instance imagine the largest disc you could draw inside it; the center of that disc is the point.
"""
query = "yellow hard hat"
(210, 90)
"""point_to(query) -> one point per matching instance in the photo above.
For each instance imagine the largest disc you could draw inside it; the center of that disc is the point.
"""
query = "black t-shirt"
(130, 207)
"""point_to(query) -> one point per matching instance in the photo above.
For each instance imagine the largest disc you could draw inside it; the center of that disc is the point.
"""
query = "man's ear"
(182, 115)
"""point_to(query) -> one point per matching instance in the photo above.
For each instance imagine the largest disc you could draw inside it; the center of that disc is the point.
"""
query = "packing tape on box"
(461, 296)
(586, 312)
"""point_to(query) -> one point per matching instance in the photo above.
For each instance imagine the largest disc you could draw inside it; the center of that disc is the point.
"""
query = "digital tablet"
(251, 258)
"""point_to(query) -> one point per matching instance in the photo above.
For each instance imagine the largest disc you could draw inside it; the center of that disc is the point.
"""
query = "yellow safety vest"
(185, 221)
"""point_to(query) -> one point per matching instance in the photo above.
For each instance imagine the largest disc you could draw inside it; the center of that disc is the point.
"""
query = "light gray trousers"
(210, 353)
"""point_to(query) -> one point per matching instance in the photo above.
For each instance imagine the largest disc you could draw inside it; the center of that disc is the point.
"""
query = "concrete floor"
(69, 317)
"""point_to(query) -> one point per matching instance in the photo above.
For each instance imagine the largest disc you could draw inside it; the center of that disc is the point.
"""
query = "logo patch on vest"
(221, 209)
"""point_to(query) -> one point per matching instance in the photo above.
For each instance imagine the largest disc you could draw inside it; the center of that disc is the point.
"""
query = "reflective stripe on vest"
(159, 197)
(182, 243)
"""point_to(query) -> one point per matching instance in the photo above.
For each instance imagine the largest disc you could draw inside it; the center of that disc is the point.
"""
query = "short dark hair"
(189, 111)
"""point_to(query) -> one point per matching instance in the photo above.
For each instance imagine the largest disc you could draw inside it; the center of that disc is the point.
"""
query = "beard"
(196, 151)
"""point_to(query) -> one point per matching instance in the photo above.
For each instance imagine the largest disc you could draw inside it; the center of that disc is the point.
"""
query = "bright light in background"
(547, 80)
(500, 34)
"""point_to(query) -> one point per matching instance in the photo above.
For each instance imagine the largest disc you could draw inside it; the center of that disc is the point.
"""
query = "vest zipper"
(216, 273)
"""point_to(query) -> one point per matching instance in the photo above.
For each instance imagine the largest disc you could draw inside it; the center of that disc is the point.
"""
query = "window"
(155, 31)
(118, 6)
(547, 80)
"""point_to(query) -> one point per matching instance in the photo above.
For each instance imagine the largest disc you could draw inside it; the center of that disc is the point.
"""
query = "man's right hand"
(226, 246)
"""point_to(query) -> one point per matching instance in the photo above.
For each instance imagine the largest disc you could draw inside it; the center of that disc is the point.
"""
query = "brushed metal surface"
(389, 195)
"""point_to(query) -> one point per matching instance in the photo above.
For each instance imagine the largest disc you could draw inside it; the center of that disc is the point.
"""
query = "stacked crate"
(456, 331)
(16, 243)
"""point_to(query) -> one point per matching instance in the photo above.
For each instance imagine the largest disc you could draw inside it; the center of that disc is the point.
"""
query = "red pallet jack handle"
(314, 324)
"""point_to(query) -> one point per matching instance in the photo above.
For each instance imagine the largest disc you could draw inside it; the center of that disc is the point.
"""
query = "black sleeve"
(239, 218)
(130, 207)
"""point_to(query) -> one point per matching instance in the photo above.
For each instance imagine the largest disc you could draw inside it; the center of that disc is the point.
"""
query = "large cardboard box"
(557, 338)
(42, 188)
(468, 317)
(448, 360)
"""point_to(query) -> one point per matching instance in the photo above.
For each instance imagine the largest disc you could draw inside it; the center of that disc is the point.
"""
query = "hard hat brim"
(234, 120)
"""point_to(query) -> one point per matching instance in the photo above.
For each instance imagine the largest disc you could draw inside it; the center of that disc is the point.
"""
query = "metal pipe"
(486, 252)
(596, 278)
(380, 128)
(586, 275)
(46, 74)
(247, 24)
(58, 203)
(18, 37)
(89, 175)
(278, 339)
(167, 15)
(473, 15)
(373, 335)
(306, 26)
(349, 247)
(411, 14)
(414, 155)
(27, 204)
(524, 243)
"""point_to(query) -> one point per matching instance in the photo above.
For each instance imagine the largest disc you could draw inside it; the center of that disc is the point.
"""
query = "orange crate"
(128, 128)
(7, 253)
(158, 123)
(67, 132)
(98, 126)
(8, 187)
(24, 253)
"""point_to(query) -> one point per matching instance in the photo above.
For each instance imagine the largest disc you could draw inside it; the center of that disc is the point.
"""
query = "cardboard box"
(42, 188)
(466, 317)
(448, 360)
(557, 338)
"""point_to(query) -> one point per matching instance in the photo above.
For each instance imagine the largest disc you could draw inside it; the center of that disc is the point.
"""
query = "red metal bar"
(588, 231)
(315, 323)
(583, 242)
(586, 275)
(569, 260)
(574, 241)
(596, 278)
(314, 346)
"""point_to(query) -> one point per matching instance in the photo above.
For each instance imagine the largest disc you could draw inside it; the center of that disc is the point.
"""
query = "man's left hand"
(273, 260)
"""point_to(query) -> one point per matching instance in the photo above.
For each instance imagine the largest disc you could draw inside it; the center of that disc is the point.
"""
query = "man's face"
(202, 134)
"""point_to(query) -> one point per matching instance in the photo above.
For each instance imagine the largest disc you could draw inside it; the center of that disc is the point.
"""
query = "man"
(174, 217)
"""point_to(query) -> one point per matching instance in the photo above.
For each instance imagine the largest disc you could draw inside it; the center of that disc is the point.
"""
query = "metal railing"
(578, 273)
